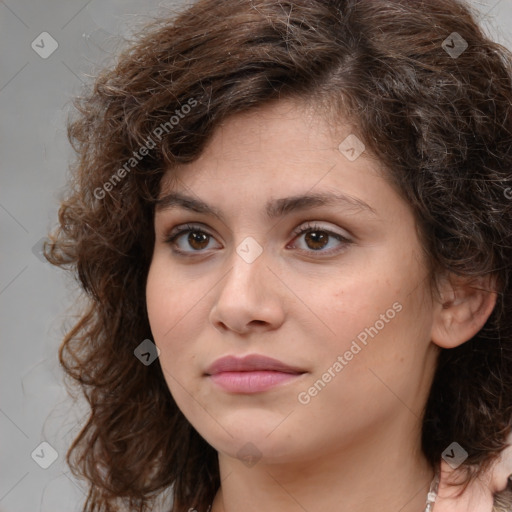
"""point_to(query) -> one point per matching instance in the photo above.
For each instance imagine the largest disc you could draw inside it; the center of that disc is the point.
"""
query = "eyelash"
(176, 233)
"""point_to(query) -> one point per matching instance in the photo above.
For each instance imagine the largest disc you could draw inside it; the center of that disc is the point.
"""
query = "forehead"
(285, 142)
(279, 159)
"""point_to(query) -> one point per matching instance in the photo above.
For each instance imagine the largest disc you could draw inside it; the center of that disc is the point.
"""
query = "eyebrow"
(274, 208)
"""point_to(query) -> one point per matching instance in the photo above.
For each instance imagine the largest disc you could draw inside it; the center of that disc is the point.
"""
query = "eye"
(317, 238)
(189, 236)
(189, 239)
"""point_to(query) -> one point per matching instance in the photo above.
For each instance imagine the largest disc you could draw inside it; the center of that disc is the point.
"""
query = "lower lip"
(252, 382)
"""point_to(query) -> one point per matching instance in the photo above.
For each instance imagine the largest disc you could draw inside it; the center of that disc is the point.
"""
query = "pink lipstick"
(251, 374)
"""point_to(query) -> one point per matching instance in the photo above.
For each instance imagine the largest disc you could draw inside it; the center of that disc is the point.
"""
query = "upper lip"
(249, 363)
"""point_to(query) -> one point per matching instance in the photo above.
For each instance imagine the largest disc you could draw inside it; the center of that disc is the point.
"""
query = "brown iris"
(198, 240)
(316, 239)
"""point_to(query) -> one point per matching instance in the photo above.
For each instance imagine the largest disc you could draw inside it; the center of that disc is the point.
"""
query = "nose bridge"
(248, 264)
(246, 295)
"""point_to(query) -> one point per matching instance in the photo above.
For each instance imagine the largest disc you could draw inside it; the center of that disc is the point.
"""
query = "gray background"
(36, 298)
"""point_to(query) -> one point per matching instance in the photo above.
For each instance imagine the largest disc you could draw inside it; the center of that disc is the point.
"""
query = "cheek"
(164, 314)
(158, 301)
(169, 300)
(348, 305)
(173, 309)
(378, 319)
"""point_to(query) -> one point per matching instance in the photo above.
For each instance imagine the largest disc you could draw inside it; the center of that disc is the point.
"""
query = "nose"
(248, 298)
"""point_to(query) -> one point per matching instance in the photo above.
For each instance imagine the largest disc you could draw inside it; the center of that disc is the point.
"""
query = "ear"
(461, 309)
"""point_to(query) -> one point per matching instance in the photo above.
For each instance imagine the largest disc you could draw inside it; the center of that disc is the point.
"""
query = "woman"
(294, 231)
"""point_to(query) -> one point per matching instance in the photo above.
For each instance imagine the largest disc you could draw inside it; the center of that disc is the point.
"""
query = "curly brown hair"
(439, 120)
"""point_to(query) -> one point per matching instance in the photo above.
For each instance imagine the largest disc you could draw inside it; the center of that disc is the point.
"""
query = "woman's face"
(296, 249)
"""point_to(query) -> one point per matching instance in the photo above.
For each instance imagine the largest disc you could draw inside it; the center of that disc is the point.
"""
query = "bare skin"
(354, 444)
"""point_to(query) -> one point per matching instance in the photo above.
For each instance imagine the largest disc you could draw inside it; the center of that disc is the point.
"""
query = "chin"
(266, 431)
(257, 443)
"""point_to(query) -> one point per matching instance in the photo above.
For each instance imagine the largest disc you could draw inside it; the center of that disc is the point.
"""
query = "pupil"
(317, 239)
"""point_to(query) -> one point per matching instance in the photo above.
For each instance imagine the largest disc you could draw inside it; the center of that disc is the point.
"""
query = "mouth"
(251, 374)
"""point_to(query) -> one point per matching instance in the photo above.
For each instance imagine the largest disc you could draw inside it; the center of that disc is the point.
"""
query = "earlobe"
(463, 307)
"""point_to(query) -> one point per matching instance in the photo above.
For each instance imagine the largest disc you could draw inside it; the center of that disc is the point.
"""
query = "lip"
(251, 374)
(250, 363)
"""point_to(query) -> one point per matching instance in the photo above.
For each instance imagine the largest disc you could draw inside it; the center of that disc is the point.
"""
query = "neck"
(387, 476)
